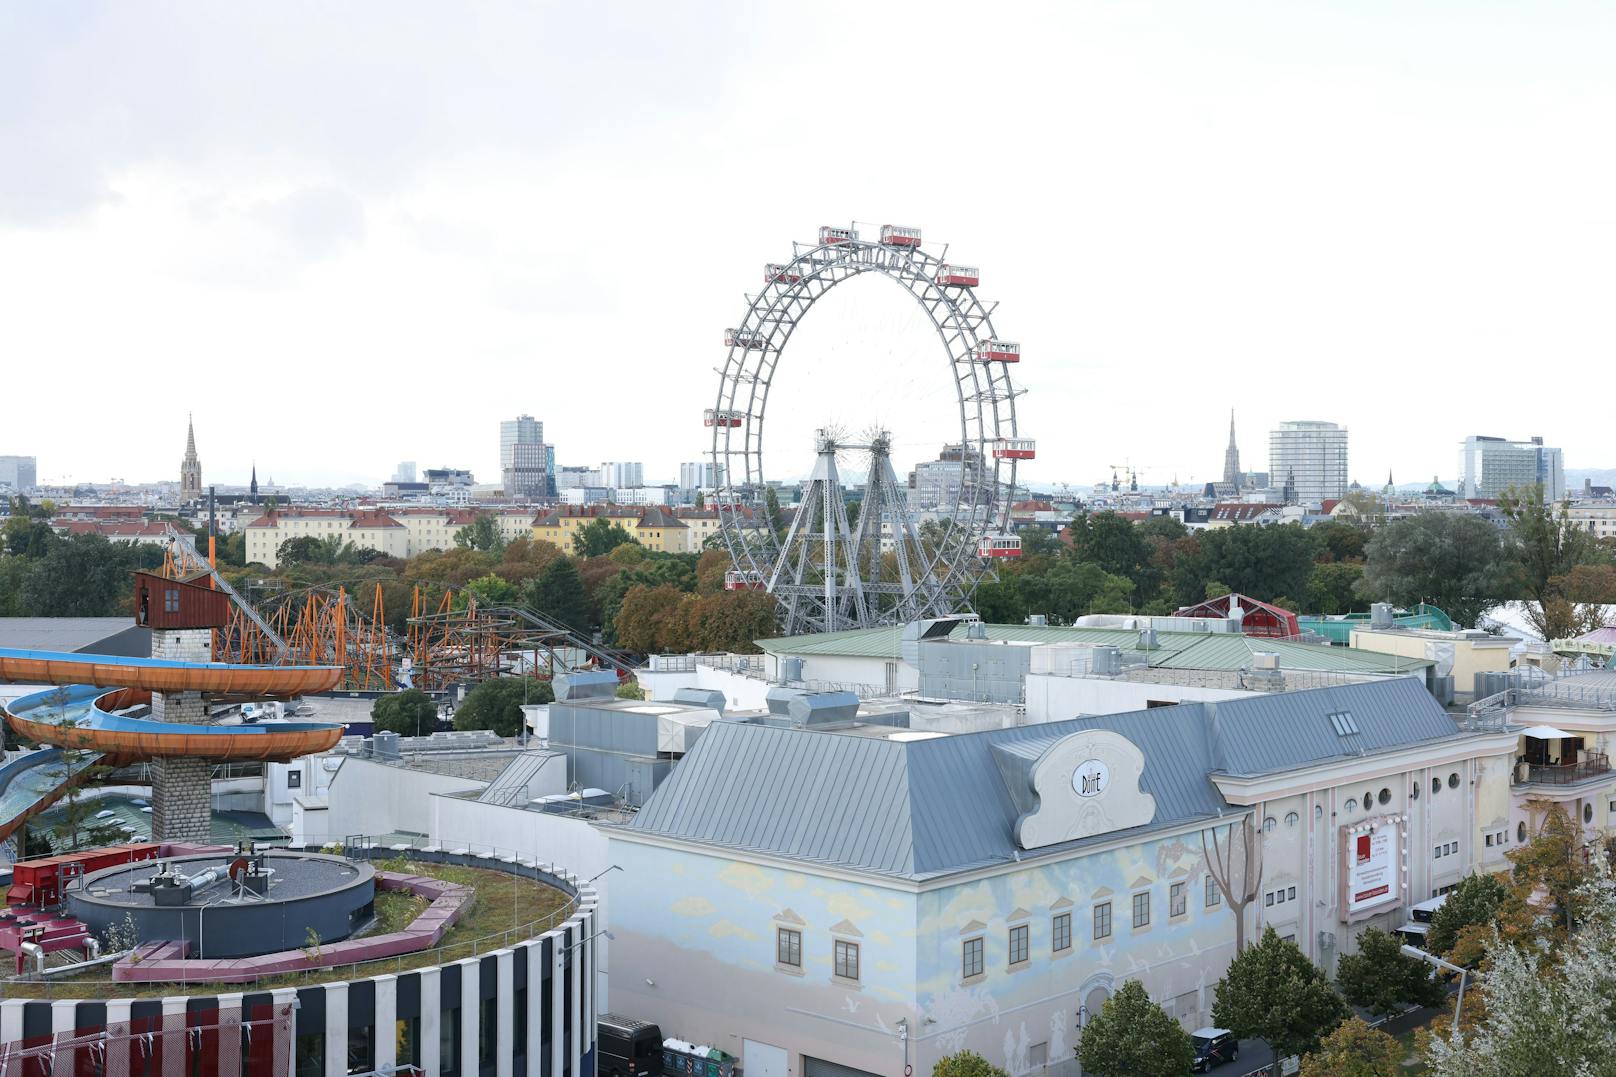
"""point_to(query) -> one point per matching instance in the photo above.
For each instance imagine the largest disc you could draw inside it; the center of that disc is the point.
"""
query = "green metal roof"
(1177, 650)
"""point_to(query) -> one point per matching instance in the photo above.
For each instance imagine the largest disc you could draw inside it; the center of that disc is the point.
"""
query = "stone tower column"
(182, 789)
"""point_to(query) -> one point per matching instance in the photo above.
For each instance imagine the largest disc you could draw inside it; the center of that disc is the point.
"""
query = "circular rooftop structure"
(225, 905)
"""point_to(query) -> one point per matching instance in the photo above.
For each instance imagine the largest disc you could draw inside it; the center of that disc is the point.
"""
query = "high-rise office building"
(19, 472)
(523, 458)
(1308, 460)
(701, 475)
(622, 474)
(405, 472)
(1489, 466)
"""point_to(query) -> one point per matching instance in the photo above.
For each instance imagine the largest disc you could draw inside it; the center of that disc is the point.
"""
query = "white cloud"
(378, 229)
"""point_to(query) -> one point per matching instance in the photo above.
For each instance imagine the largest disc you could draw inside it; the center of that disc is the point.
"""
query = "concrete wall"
(375, 798)
(1052, 698)
(1470, 656)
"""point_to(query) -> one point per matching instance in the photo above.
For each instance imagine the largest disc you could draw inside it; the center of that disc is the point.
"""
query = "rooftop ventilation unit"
(976, 630)
(1265, 660)
(592, 684)
(1107, 661)
(1147, 639)
(813, 708)
(384, 745)
(710, 698)
(1380, 615)
(1037, 620)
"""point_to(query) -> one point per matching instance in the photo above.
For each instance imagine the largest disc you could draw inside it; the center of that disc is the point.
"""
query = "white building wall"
(1052, 698)
(375, 798)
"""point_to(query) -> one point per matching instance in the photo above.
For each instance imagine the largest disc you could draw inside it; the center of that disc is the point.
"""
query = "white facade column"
(470, 1015)
(336, 1028)
(575, 978)
(505, 1015)
(283, 1049)
(535, 1005)
(227, 1004)
(558, 945)
(431, 1019)
(11, 1020)
(385, 1024)
(174, 1036)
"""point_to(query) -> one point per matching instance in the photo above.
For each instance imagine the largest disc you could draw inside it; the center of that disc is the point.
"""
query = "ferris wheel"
(898, 562)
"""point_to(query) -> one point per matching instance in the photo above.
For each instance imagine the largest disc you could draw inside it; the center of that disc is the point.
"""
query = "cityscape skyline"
(387, 253)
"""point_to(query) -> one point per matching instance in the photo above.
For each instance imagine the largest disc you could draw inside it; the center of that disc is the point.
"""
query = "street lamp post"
(1432, 959)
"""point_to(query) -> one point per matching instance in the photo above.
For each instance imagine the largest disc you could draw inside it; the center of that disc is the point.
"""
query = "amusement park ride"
(826, 575)
(446, 643)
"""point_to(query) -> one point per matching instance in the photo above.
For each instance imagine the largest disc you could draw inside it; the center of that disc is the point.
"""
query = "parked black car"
(1213, 1047)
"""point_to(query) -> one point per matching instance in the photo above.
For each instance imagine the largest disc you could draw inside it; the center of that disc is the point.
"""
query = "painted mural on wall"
(711, 925)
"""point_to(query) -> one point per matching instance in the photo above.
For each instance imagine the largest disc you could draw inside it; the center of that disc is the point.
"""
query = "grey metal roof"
(92, 635)
(920, 809)
(1269, 732)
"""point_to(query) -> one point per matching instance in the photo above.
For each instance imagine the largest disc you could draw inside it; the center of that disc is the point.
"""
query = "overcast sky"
(346, 235)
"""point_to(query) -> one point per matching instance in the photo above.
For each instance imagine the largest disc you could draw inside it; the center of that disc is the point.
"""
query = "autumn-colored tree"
(1355, 1050)
(710, 569)
(643, 621)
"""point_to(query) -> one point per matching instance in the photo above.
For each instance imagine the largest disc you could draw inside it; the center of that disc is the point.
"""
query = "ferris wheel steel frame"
(942, 577)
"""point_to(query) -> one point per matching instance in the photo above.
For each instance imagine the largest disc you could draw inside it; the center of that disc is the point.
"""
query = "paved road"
(1255, 1055)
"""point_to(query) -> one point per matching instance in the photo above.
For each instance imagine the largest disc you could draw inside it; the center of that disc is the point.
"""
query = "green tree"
(84, 576)
(1333, 587)
(599, 537)
(558, 594)
(1133, 1035)
(1449, 559)
(491, 590)
(775, 519)
(497, 704)
(1262, 562)
(410, 713)
(1473, 903)
(1547, 548)
(26, 536)
(481, 534)
(1379, 978)
(1355, 1050)
(1071, 589)
(1114, 544)
(1039, 542)
(1274, 993)
(966, 1064)
(1341, 542)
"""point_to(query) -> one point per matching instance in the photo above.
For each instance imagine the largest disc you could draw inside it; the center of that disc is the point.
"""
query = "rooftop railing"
(1591, 765)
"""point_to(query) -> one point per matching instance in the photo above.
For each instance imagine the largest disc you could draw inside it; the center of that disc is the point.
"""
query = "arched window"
(1268, 825)
(1318, 811)
(1352, 805)
(1520, 832)
(1291, 819)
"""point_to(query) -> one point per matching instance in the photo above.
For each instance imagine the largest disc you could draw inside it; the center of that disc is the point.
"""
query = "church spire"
(190, 467)
(1231, 457)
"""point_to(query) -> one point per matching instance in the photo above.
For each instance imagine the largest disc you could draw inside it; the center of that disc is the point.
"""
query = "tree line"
(1105, 563)
(1459, 561)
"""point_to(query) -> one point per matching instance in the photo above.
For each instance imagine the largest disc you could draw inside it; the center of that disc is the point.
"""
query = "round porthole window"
(1368, 799)
(1436, 786)
(1352, 805)
(1318, 811)
(1385, 796)
(1587, 813)
(1453, 780)
(1414, 791)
